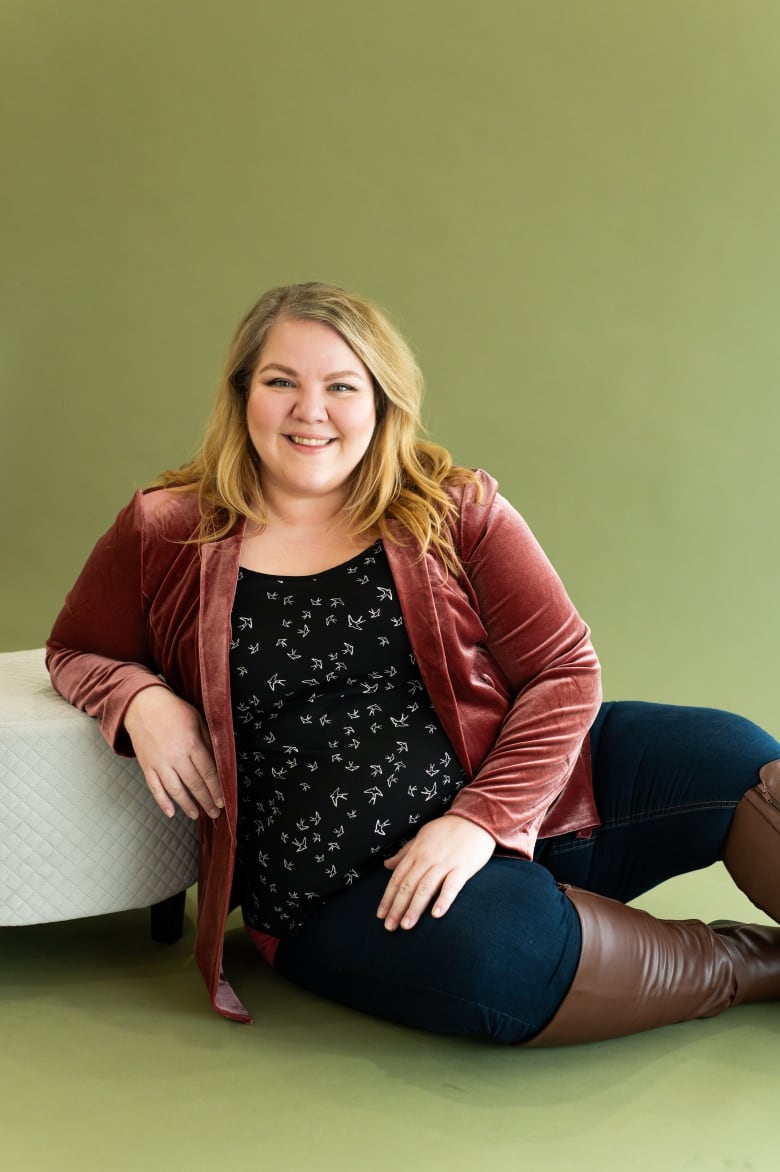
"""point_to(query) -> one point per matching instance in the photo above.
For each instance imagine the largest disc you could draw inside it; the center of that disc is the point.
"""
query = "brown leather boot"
(637, 972)
(752, 850)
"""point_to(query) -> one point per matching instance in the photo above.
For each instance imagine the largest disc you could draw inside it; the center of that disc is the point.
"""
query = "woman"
(353, 663)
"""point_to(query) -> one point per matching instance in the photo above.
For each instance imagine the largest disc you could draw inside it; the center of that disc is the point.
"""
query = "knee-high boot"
(752, 850)
(637, 972)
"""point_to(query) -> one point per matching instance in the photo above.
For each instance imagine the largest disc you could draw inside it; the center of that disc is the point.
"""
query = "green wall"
(570, 207)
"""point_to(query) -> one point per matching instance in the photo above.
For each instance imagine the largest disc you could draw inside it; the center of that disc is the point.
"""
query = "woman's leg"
(667, 782)
(498, 964)
(504, 960)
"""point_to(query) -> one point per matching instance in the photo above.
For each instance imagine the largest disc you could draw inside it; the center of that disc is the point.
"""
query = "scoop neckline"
(375, 547)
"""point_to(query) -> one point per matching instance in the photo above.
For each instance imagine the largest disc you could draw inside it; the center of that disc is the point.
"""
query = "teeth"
(309, 443)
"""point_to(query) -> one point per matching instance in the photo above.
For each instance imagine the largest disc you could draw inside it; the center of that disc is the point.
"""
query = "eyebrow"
(294, 373)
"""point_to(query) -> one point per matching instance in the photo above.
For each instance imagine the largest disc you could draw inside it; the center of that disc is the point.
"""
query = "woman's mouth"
(308, 441)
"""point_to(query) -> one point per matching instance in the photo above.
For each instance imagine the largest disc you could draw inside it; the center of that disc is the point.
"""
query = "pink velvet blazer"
(506, 659)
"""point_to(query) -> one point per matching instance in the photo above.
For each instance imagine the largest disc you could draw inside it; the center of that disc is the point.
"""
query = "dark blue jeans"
(666, 781)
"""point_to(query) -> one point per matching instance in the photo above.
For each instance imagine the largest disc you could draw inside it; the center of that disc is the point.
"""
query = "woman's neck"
(302, 537)
(305, 513)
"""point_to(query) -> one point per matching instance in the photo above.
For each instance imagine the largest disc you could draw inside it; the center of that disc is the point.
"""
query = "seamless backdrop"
(570, 208)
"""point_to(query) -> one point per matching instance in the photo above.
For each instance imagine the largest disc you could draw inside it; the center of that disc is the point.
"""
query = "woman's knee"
(707, 754)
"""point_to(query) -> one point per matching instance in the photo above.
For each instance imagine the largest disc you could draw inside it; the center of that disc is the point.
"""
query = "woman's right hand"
(173, 747)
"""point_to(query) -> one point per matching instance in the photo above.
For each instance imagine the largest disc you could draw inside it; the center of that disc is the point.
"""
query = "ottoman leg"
(168, 918)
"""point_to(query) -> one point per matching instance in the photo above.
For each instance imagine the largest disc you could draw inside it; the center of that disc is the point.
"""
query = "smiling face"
(310, 412)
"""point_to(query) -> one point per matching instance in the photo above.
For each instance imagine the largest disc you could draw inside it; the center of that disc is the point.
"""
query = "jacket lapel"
(218, 574)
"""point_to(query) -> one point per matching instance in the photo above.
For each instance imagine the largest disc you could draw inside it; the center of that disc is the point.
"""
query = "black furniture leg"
(168, 918)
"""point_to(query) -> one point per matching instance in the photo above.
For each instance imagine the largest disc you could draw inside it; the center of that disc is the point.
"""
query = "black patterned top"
(341, 756)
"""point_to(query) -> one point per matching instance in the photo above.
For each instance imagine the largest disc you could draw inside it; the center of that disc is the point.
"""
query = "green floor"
(111, 1059)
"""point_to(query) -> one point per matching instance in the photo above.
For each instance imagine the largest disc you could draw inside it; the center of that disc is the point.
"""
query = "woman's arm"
(98, 653)
(100, 658)
(542, 648)
(538, 649)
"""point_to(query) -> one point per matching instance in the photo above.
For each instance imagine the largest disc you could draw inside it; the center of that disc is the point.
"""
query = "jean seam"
(658, 815)
(580, 844)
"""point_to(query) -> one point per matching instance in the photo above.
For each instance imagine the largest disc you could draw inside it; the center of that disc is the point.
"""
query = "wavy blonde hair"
(401, 477)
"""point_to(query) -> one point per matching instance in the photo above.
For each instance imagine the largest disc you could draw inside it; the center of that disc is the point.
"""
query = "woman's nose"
(310, 405)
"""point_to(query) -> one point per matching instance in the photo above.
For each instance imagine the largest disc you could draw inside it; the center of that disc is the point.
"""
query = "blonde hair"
(401, 478)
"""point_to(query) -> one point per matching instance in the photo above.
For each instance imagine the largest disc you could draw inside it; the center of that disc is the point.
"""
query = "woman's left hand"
(436, 863)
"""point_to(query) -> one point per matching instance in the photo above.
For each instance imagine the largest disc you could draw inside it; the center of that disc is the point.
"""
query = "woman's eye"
(341, 387)
(279, 382)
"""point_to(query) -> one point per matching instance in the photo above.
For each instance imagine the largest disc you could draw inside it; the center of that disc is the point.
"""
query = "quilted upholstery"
(80, 834)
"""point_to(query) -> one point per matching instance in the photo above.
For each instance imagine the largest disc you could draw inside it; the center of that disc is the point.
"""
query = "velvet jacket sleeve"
(510, 667)
(542, 649)
(101, 651)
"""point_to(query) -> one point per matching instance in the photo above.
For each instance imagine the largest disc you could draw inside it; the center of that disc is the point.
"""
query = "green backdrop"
(571, 208)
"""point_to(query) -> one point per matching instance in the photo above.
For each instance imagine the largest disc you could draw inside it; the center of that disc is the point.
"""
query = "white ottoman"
(80, 834)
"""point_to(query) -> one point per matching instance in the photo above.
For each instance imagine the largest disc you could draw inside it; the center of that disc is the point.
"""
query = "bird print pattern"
(341, 757)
